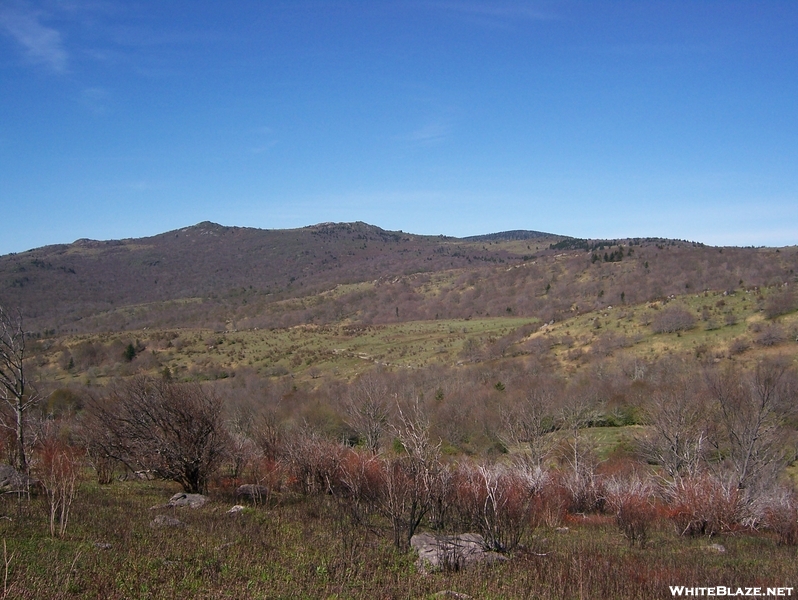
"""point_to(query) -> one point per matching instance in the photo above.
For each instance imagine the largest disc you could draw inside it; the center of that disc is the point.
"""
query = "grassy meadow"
(308, 548)
(726, 326)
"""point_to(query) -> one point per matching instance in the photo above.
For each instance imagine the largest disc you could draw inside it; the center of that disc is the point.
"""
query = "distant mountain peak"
(205, 226)
(516, 234)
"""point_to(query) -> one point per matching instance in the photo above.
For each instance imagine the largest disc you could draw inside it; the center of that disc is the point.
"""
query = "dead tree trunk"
(13, 385)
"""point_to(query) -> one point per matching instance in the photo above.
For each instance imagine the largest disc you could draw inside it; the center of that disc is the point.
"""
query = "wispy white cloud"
(41, 44)
(429, 133)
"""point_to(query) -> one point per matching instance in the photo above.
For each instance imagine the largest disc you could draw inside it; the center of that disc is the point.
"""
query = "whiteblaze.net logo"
(722, 590)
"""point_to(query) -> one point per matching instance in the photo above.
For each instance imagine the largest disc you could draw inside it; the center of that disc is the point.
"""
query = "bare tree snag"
(14, 390)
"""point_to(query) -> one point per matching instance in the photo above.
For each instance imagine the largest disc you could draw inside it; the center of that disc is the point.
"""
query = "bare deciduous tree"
(676, 413)
(13, 383)
(173, 430)
(367, 410)
(409, 479)
(527, 426)
(752, 409)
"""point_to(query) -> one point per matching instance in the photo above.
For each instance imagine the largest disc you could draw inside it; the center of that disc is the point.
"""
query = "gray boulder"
(252, 492)
(190, 500)
(162, 521)
(451, 552)
(12, 481)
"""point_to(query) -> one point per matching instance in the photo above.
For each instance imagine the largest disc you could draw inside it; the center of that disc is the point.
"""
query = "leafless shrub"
(504, 514)
(578, 457)
(367, 410)
(312, 462)
(97, 440)
(780, 303)
(405, 498)
(442, 493)
(58, 469)
(738, 346)
(631, 500)
(549, 506)
(409, 479)
(607, 343)
(703, 504)
(781, 516)
(528, 424)
(103, 464)
(359, 482)
(268, 434)
(173, 430)
(752, 408)
(673, 319)
(677, 415)
(242, 454)
(772, 335)
(16, 393)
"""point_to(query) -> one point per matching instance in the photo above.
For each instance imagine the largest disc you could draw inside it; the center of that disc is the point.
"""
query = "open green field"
(726, 326)
(305, 352)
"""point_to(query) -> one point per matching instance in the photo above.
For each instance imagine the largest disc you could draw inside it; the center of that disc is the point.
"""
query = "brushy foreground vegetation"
(693, 492)
(307, 548)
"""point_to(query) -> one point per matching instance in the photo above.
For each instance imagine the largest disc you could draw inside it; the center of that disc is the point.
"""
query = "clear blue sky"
(592, 119)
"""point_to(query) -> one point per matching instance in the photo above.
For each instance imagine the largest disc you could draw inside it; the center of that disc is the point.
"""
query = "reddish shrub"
(549, 507)
(703, 505)
(781, 517)
(358, 482)
(311, 463)
(58, 470)
(631, 499)
(496, 500)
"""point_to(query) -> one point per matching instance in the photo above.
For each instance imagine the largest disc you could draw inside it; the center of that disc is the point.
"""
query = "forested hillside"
(229, 277)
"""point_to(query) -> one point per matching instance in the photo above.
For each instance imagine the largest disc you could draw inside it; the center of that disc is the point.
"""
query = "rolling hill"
(207, 301)
(213, 276)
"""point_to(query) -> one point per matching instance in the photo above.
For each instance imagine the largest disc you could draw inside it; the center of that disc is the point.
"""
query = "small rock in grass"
(192, 500)
(183, 499)
(166, 521)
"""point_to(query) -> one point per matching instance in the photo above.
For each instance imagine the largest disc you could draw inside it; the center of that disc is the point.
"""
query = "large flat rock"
(451, 552)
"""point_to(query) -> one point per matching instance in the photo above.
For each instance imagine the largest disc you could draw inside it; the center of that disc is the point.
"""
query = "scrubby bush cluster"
(498, 453)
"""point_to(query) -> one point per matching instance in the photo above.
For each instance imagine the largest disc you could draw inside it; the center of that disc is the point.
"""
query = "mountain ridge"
(329, 272)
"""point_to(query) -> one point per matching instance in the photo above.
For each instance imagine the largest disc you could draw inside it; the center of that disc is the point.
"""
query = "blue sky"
(592, 119)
